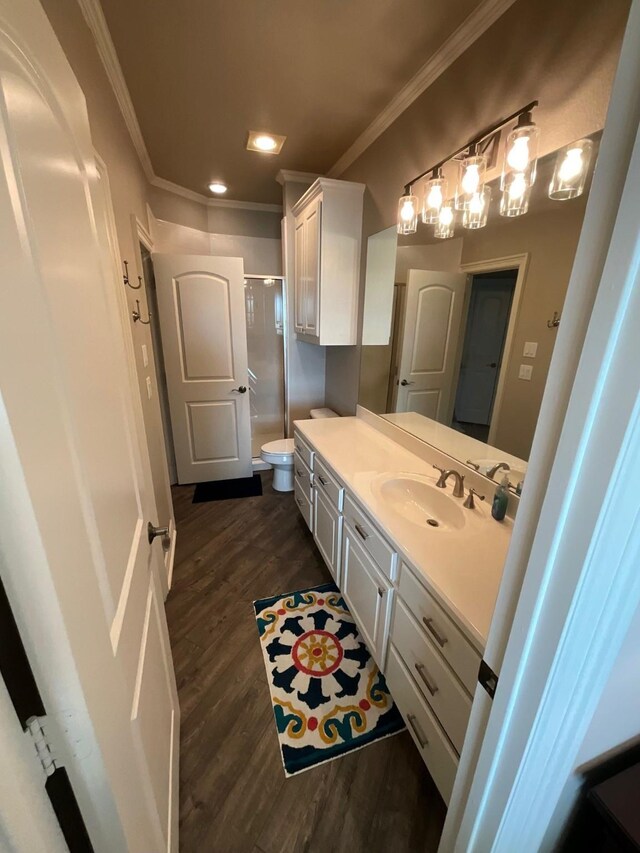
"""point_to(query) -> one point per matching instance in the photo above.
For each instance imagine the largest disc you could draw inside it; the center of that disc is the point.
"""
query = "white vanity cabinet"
(328, 235)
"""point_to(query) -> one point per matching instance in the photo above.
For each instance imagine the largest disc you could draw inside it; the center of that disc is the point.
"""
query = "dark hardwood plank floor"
(234, 797)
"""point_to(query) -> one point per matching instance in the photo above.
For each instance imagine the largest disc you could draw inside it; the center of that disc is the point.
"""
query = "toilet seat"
(281, 451)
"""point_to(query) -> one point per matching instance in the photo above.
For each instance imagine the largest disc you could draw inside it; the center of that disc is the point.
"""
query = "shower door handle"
(241, 389)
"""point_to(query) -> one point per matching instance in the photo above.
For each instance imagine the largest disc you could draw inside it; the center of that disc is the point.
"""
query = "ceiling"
(202, 73)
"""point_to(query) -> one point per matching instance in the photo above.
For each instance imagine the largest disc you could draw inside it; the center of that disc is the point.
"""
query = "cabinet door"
(299, 275)
(367, 593)
(327, 528)
(312, 223)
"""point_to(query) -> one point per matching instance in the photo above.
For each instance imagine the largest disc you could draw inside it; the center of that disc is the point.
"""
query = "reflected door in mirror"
(433, 314)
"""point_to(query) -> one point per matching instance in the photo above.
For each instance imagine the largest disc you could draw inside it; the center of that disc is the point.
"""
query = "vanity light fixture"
(570, 173)
(435, 192)
(472, 177)
(445, 226)
(265, 143)
(408, 214)
(475, 216)
(218, 187)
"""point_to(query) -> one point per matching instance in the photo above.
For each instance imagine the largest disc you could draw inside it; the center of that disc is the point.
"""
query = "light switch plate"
(149, 387)
(145, 356)
(525, 371)
(530, 349)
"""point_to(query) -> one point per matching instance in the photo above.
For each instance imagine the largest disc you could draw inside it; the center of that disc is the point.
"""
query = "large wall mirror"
(458, 333)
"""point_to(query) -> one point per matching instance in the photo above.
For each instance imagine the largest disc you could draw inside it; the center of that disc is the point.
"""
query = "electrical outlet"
(525, 371)
(145, 356)
(149, 387)
(530, 349)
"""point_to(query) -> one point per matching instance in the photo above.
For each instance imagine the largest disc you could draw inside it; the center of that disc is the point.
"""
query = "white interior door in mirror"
(432, 319)
(204, 340)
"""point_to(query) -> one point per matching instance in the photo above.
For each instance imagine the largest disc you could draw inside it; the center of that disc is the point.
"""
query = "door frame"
(508, 262)
(570, 585)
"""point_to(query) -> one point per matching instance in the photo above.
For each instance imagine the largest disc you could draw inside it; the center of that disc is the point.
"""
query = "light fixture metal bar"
(475, 141)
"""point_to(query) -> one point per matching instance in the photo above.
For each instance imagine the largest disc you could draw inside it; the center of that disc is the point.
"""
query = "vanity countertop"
(463, 568)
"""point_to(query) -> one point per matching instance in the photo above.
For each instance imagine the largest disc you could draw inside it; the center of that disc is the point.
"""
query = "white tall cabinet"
(328, 239)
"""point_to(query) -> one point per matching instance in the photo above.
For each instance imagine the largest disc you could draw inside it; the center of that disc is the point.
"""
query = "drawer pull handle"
(361, 533)
(322, 480)
(440, 639)
(422, 740)
(431, 687)
(298, 501)
(299, 472)
(380, 591)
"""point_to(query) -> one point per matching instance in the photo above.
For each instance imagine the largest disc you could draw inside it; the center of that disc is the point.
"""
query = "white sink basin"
(417, 499)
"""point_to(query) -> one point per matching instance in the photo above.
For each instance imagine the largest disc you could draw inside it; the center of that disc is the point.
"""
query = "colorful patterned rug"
(328, 695)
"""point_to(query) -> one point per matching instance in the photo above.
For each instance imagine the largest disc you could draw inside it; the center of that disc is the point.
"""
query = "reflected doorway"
(490, 301)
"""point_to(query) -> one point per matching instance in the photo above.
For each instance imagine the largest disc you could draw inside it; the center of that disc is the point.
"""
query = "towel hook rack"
(127, 280)
(554, 322)
(137, 316)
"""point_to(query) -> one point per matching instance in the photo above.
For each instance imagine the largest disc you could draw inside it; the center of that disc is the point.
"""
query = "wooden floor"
(234, 797)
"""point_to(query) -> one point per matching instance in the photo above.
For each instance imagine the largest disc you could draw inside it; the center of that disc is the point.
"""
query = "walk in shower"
(263, 299)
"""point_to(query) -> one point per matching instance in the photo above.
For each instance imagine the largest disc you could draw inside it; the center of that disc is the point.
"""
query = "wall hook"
(554, 322)
(127, 280)
(137, 317)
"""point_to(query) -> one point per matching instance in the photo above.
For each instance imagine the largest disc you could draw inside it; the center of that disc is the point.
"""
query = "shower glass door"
(265, 345)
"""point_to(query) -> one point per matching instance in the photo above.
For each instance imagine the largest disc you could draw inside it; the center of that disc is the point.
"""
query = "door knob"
(241, 389)
(492, 364)
(406, 382)
(152, 532)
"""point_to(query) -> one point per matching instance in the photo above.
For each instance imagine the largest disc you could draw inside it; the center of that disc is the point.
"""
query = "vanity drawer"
(436, 682)
(436, 751)
(447, 637)
(371, 540)
(302, 474)
(303, 449)
(325, 482)
(304, 504)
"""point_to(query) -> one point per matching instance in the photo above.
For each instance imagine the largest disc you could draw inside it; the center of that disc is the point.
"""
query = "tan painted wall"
(563, 54)
(129, 189)
(551, 239)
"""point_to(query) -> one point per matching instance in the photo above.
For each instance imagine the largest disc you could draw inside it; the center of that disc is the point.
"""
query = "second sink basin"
(417, 499)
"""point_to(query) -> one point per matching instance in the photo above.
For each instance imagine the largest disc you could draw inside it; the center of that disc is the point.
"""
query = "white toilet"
(279, 454)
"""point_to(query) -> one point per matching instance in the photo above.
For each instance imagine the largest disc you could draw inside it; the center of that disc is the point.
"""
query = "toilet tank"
(323, 413)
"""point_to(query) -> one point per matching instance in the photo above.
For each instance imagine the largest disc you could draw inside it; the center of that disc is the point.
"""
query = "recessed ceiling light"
(218, 187)
(265, 143)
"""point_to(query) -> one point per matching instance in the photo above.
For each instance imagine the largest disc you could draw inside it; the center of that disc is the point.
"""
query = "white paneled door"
(432, 329)
(76, 559)
(204, 340)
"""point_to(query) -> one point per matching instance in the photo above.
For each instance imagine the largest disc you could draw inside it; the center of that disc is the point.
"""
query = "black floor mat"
(225, 490)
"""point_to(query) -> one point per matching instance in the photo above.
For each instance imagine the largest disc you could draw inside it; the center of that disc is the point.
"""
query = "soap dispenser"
(500, 500)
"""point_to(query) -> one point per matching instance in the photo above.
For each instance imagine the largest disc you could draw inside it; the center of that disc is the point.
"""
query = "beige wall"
(550, 238)
(563, 54)
(129, 189)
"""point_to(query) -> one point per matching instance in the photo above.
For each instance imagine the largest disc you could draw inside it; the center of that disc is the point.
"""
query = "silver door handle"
(422, 740)
(431, 687)
(163, 532)
(241, 389)
(406, 382)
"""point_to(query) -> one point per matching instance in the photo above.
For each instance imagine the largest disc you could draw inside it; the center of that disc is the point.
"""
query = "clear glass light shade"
(521, 154)
(445, 226)
(570, 173)
(471, 180)
(475, 216)
(435, 192)
(408, 214)
(515, 196)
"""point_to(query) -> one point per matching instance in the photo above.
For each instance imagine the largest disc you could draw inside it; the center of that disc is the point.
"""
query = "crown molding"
(289, 176)
(97, 23)
(467, 33)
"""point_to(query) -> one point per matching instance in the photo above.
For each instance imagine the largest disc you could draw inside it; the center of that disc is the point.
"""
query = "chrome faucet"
(493, 471)
(458, 486)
